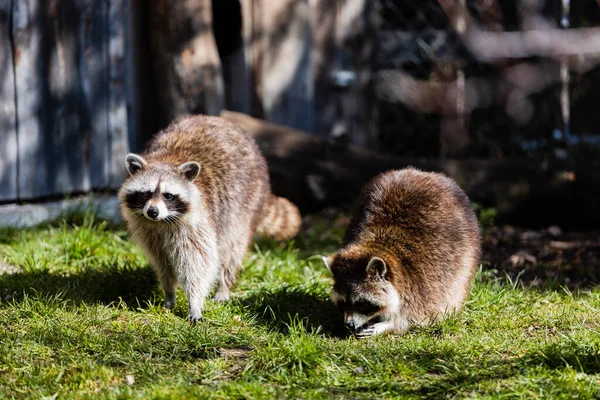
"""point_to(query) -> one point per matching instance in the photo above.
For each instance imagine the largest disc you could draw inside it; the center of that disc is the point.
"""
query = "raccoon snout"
(152, 212)
(350, 325)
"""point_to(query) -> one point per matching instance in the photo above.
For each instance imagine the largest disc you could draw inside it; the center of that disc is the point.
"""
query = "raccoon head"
(362, 289)
(158, 192)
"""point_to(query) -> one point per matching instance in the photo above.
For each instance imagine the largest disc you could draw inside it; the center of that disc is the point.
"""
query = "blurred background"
(500, 95)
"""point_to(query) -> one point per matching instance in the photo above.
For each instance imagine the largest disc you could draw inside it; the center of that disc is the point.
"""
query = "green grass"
(84, 316)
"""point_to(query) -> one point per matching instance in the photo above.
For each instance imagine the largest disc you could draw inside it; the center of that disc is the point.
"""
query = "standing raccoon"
(194, 200)
(409, 254)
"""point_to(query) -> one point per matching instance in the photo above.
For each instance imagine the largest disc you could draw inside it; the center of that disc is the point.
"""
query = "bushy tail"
(280, 219)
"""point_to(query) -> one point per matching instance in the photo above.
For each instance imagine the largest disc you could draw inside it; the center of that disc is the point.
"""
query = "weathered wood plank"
(8, 116)
(95, 71)
(67, 138)
(186, 62)
(65, 163)
(118, 11)
(28, 23)
(286, 71)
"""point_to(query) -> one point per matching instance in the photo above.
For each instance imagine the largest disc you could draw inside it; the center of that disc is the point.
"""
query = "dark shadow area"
(527, 192)
(227, 26)
(227, 30)
(9, 235)
(144, 107)
(277, 307)
(135, 287)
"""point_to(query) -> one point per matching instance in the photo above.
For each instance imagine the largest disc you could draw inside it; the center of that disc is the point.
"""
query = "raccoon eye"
(147, 195)
(341, 305)
(365, 307)
(168, 196)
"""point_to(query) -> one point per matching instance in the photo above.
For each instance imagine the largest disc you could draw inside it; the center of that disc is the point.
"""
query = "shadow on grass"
(278, 307)
(556, 356)
(452, 373)
(9, 235)
(135, 287)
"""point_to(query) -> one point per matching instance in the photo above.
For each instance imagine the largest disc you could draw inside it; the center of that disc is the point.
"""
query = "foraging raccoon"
(409, 254)
(194, 200)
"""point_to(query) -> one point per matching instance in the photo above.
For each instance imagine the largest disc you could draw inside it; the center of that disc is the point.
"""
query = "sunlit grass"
(84, 319)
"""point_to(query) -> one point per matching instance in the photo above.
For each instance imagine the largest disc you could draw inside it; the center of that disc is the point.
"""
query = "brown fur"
(423, 228)
(234, 200)
(227, 154)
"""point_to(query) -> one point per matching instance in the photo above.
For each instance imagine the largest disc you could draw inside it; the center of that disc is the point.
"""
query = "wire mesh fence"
(488, 78)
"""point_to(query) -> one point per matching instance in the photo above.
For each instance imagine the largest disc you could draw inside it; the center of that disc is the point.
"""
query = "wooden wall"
(63, 96)
(83, 82)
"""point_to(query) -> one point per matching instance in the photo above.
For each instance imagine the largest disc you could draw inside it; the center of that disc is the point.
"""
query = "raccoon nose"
(153, 212)
(350, 325)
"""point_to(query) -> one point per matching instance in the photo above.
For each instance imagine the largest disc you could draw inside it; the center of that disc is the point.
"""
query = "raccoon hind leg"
(229, 273)
(230, 268)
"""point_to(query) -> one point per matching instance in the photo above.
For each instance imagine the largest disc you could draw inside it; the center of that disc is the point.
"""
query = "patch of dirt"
(551, 254)
(237, 356)
(235, 353)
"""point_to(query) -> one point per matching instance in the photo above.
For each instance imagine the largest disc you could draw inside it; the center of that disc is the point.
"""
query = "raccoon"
(408, 255)
(193, 202)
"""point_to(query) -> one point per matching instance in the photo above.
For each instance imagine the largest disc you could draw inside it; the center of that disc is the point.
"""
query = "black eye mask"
(174, 203)
(362, 307)
(365, 307)
(137, 200)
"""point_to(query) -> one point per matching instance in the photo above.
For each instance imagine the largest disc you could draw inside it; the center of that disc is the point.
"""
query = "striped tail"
(280, 219)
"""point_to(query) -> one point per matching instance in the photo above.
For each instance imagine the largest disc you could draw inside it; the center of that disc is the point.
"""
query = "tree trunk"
(186, 64)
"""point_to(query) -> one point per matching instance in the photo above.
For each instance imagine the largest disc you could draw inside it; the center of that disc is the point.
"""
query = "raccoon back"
(423, 219)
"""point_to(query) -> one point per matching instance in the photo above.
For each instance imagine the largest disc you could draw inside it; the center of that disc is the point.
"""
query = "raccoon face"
(158, 192)
(362, 292)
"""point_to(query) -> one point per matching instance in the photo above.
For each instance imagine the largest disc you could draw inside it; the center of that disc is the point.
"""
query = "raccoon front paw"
(169, 301)
(195, 319)
(366, 332)
(374, 330)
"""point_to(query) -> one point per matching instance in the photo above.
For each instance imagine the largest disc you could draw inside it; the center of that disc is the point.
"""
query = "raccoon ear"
(376, 267)
(190, 170)
(327, 262)
(134, 163)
